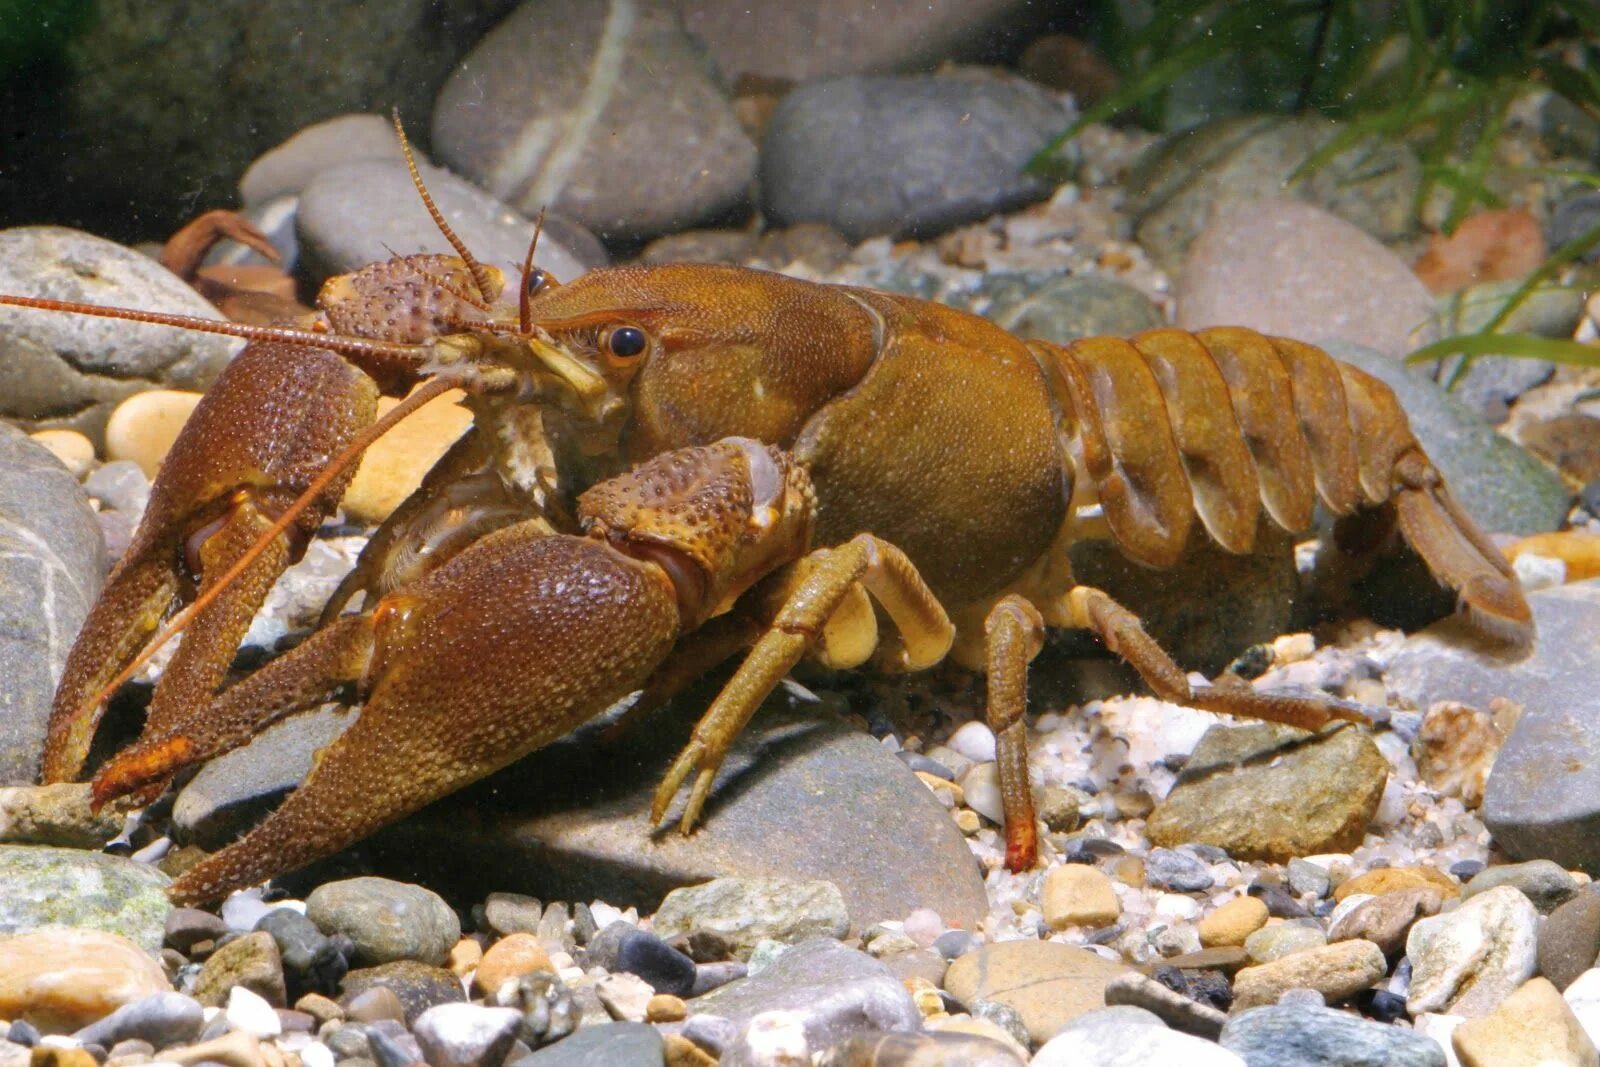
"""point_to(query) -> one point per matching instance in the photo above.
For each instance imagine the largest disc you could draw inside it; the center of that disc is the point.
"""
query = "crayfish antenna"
(525, 288)
(480, 275)
(350, 454)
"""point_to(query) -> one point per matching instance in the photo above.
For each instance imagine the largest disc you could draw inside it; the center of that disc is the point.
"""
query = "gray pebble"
(1308, 878)
(465, 1035)
(162, 1019)
(512, 913)
(1544, 882)
(1166, 868)
(386, 920)
(1291, 1036)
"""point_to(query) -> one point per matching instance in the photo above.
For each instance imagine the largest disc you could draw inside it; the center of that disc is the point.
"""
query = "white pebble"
(1177, 906)
(924, 926)
(1539, 572)
(243, 910)
(316, 1054)
(1583, 997)
(975, 741)
(776, 1039)
(1346, 906)
(606, 914)
(251, 1013)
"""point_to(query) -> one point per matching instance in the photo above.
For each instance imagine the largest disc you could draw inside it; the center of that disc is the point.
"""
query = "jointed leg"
(877, 565)
(1013, 633)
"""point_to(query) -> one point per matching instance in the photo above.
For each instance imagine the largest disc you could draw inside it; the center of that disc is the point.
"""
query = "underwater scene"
(853, 533)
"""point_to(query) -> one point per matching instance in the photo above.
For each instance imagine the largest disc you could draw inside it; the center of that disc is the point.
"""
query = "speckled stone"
(1048, 984)
(1467, 961)
(1337, 971)
(1569, 939)
(417, 985)
(1285, 1036)
(1533, 1027)
(59, 886)
(750, 910)
(386, 920)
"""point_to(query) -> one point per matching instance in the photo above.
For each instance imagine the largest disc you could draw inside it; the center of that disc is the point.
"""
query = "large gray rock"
(158, 108)
(386, 920)
(605, 112)
(71, 370)
(1294, 270)
(1178, 189)
(1293, 1036)
(831, 992)
(825, 38)
(52, 561)
(42, 886)
(359, 213)
(1063, 309)
(907, 156)
(1500, 485)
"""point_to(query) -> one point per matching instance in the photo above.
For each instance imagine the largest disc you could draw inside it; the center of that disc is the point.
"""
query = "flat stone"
(1166, 868)
(1569, 939)
(621, 946)
(1541, 801)
(826, 992)
(1101, 1037)
(621, 1044)
(749, 910)
(1283, 939)
(364, 212)
(1386, 920)
(162, 1019)
(417, 985)
(571, 822)
(59, 886)
(52, 554)
(548, 109)
(1076, 894)
(250, 962)
(1533, 1027)
(1467, 961)
(1546, 884)
(61, 979)
(386, 920)
(1048, 984)
(1283, 1036)
(1270, 792)
(55, 815)
(465, 1035)
(1173, 1008)
(908, 156)
(1338, 971)
(1192, 181)
(69, 371)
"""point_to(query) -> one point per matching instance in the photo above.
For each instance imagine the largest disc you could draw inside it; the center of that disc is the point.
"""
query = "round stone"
(386, 920)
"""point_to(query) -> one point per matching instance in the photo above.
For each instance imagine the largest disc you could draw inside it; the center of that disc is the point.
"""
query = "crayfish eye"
(536, 282)
(625, 342)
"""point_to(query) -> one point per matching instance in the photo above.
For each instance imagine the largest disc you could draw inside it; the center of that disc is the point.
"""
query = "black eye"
(626, 342)
(537, 280)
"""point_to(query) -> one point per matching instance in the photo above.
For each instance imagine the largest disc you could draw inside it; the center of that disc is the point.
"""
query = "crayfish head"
(717, 518)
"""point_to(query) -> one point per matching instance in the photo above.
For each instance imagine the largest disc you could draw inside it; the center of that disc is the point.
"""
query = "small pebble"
(1233, 922)
(508, 959)
(665, 1008)
(1076, 895)
(465, 1035)
(251, 1013)
(1166, 868)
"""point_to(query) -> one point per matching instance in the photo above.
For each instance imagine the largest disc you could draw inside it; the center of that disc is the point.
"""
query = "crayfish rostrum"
(981, 455)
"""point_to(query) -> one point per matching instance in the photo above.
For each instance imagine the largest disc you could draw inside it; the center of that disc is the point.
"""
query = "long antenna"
(479, 274)
(524, 314)
(350, 453)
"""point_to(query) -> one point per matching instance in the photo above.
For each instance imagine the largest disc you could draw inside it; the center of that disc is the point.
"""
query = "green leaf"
(1515, 345)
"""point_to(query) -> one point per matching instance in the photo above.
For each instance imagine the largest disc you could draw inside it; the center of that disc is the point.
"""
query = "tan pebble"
(1454, 748)
(49, 1056)
(510, 957)
(1533, 1027)
(1129, 870)
(464, 957)
(1338, 972)
(373, 1004)
(1078, 895)
(947, 791)
(393, 467)
(665, 1008)
(927, 999)
(1233, 922)
(320, 1008)
(61, 978)
(626, 997)
(143, 427)
(1389, 879)
(237, 1049)
(681, 1052)
(967, 821)
(970, 1024)
(75, 451)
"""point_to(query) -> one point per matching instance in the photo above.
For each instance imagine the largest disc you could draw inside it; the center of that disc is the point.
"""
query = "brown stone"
(1232, 922)
(62, 978)
(1533, 1027)
(1337, 971)
(1454, 749)
(1386, 920)
(1391, 879)
(251, 961)
(510, 957)
(1075, 894)
(1048, 984)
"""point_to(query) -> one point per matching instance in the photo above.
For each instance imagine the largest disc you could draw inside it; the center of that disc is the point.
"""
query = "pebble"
(825, 990)
(1533, 1027)
(612, 1044)
(624, 996)
(1569, 939)
(45, 886)
(310, 960)
(1105, 1037)
(1284, 1036)
(465, 1035)
(143, 427)
(665, 1008)
(372, 1004)
(1467, 961)
(1337, 971)
(1393, 879)
(1281, 939)
(980, 791)
(55, 815)
(1233, 922)
(975, 741)
(386, 920)
(622, 946)
(509, 958)
(394, 465)
(1048, 984)
(1166, 868)
(162, 1019)
(286, 168)
(549, 1010)
(1307, 878)
(1173, 1008)
(1546, 884)
(845, 151)
(923, 926)
(1269, 792)
(251, 962)
(1454, 749)
(512, 913)
(249, 1012)
(75, 451)
(922, 1050)
(417, 985)
(748, 910)
(1385, 920)
(1075, 895)
(62, 979)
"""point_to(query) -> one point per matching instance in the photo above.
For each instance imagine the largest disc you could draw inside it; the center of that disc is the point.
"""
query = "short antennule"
(480, 274)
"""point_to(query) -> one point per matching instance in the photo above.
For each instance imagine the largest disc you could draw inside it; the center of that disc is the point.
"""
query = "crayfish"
(981, 455)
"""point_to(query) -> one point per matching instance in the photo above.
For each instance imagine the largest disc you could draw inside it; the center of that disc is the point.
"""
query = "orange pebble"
(510, 957)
